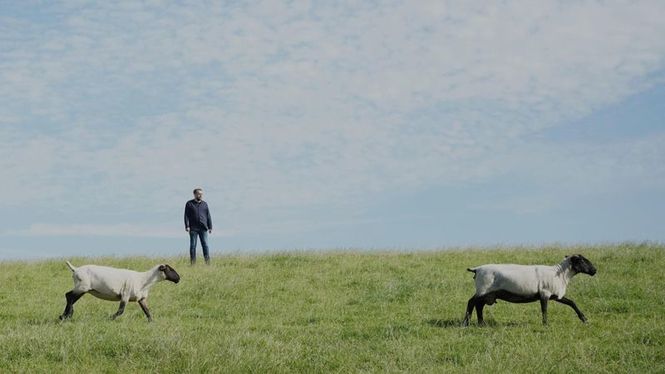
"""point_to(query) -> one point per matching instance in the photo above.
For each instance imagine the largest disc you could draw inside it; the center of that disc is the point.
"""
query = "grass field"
(339, 312)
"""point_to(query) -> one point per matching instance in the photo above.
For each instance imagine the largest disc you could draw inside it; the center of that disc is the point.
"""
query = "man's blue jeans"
(203, 237)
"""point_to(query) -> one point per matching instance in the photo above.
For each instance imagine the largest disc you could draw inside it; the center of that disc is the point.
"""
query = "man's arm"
(209, 219)
(186, 219)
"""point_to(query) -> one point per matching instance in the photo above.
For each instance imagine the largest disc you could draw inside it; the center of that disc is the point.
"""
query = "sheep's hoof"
(64, 317)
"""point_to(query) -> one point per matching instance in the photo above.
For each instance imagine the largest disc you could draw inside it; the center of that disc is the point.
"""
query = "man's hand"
(187, 229)
(210, 231)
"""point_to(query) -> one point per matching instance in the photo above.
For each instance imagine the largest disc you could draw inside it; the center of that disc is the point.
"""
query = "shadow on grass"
(445, 323)
(43, 321)
(450, 323)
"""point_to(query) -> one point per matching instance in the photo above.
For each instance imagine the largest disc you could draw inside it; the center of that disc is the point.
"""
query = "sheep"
(525, 284)
(113, 284)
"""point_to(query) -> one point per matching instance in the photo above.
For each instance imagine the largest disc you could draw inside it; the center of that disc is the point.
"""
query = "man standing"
(198, 223)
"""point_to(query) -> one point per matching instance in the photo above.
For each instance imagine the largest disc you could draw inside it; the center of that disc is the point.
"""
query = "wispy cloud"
(293, 106)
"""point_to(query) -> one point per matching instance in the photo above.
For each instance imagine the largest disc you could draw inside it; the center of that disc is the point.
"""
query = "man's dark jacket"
(197, 215)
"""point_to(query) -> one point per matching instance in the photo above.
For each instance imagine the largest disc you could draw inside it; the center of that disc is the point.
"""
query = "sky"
(329, 125)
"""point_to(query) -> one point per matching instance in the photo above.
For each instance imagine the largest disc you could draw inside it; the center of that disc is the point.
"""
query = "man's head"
(198, 194)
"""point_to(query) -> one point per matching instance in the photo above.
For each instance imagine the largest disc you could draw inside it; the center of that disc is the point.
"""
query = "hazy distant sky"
(370, 124)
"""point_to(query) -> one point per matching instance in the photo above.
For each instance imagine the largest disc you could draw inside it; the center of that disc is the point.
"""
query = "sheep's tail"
(71, 267)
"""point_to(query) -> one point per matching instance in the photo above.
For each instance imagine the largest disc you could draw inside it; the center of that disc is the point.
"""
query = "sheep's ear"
(162, 267)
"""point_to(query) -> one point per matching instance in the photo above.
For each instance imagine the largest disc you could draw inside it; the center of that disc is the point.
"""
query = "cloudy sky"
(387, 124)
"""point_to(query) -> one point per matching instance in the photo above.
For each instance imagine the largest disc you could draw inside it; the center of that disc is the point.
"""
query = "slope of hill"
(339, 312)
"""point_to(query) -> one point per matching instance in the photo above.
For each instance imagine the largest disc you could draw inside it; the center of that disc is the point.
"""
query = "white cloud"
(274, 105)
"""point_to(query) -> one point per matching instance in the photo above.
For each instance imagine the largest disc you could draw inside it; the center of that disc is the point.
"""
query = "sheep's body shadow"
(455, 323)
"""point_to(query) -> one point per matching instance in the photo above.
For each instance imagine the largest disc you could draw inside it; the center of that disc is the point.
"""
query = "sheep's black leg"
(572, 304)
(469, 310)
(144, 306)
(543, 309)
(69, 307)
(480, 304)
(121, 309)
(71, 298)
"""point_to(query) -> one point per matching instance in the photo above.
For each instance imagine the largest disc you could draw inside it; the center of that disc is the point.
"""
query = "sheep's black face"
(582, 265)
(170, 273)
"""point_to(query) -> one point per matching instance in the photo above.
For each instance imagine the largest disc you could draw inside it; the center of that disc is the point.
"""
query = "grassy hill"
(339, 312)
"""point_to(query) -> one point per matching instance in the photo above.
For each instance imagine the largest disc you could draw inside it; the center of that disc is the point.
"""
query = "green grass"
(339, 312)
